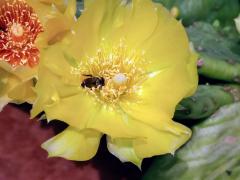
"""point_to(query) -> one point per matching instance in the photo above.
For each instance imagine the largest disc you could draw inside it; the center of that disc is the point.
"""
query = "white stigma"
(119, 79)
(17, 29)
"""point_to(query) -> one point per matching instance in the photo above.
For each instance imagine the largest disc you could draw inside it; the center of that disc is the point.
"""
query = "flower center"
(17, 30)
(120, 70)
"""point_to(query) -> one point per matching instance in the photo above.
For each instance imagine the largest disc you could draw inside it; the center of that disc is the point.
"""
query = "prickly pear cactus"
(204, 10)
(208, 41)
(206, 101)
(219, 55)
(212, 153)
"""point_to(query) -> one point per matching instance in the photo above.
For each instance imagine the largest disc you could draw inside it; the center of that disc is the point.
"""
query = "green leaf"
(212, 153)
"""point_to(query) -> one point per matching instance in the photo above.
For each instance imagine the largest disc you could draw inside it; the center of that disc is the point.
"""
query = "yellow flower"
(120, 72)
(26, 28)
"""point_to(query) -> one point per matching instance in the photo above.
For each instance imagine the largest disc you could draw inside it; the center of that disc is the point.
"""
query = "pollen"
(122, 70)
(19, 28)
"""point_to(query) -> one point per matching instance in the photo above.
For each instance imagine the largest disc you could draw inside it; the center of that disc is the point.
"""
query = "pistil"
(17, 32)
(119, 79)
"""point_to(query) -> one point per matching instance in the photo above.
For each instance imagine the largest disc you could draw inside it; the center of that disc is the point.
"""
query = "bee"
(93, 82)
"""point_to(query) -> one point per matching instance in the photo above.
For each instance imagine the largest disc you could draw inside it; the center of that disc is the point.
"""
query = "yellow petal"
(53, 58)
(7, 83)
(73, 144)
(159, 96)
(75, 110)
(71, 9)
(82, 111)
(123, 20)
(123, 150)
(87, 3)
(61, 4)
(4, 77)
(4, 100)
(134, 22)
(47, 92)
(193, 73)
(23, 72)
(44, 11)
(168, 44)
(160, 141)
(56, 23)
(87, 29)
(23, 92)
(155, 141)
(115, 123)
(14, 89)
(146, 28)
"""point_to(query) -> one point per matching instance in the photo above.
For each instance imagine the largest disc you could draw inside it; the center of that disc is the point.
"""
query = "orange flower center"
(19, 28)
(17, 32)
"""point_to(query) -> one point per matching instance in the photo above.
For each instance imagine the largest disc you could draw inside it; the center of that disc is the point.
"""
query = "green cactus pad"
(206, 101)
(212, 153)
(204, 10)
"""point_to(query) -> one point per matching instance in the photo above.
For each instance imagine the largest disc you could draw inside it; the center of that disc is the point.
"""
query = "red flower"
(19, 28)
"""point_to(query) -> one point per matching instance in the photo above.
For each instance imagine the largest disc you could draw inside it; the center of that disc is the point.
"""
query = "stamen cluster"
(123, 72)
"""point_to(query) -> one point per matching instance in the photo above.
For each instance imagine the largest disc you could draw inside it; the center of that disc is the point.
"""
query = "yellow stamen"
(123, 72)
